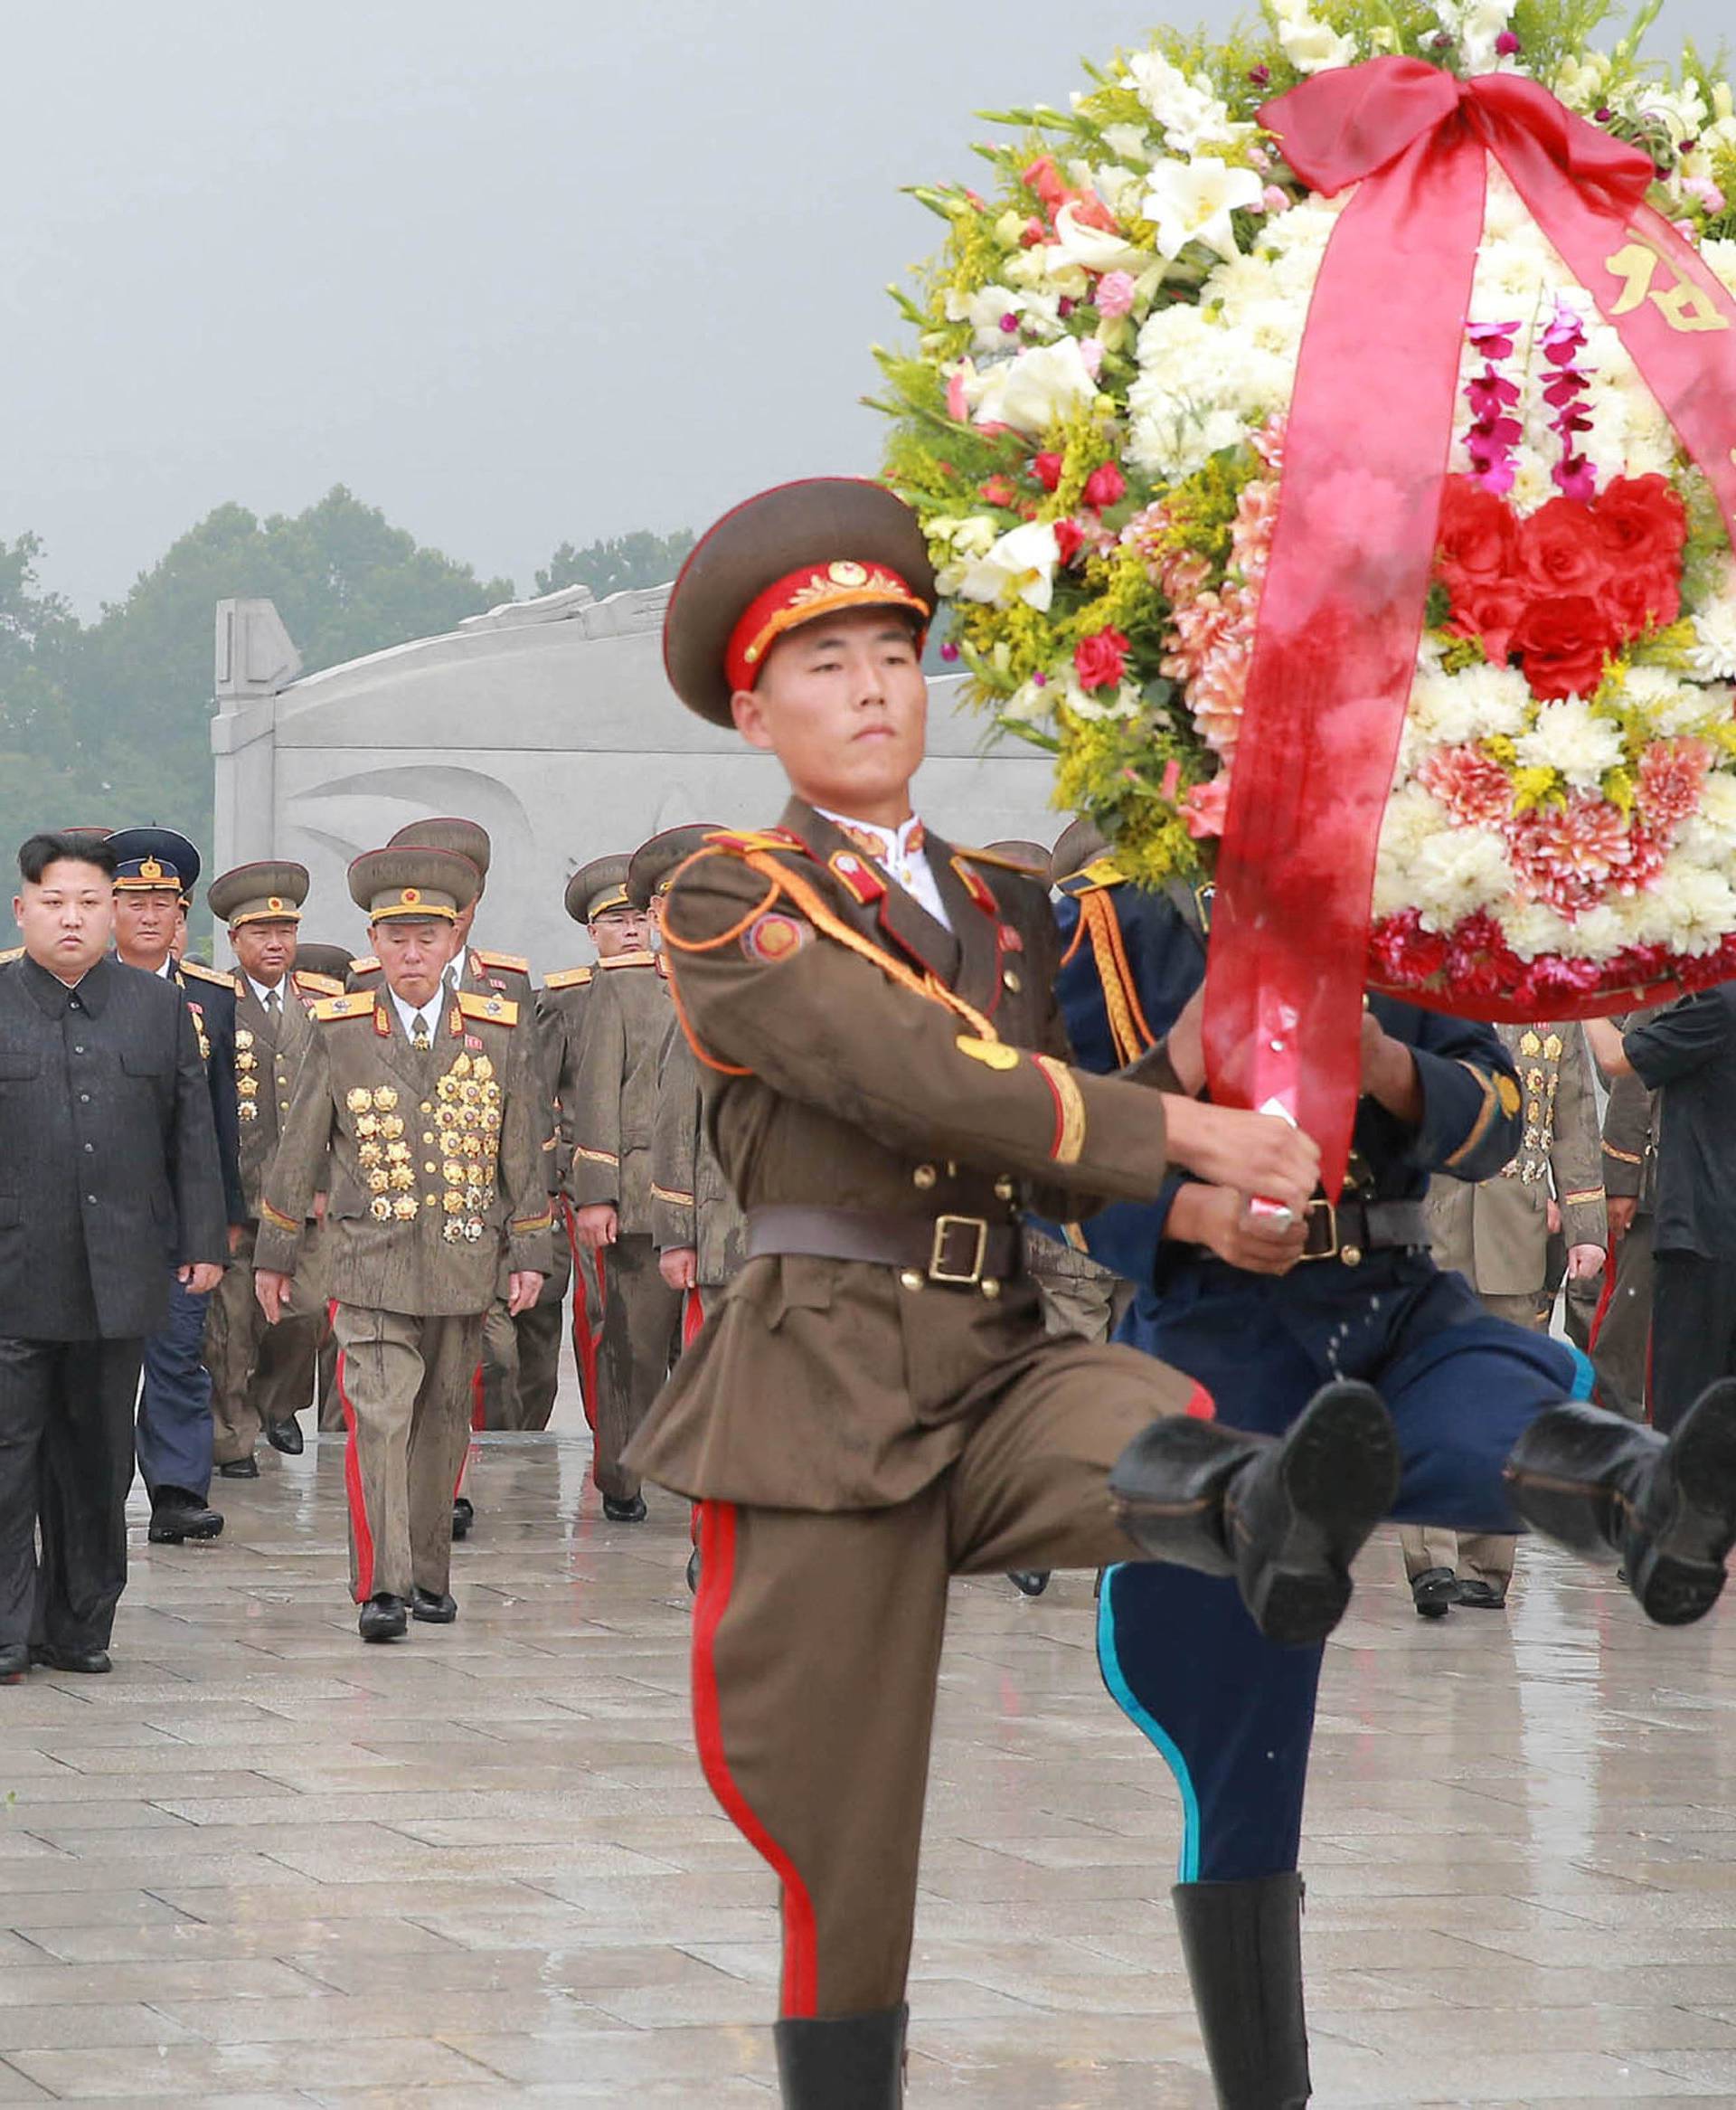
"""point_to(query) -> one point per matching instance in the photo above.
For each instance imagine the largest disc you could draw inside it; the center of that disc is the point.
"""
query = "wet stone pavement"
(262, 1864)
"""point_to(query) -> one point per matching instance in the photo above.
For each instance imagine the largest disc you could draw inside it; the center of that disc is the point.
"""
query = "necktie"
(419, 1036)
(274, 1003)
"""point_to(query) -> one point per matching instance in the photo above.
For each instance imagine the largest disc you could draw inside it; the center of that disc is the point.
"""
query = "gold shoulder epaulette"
(508, 962)
(629, 960)
(569, 977)
(324, 985)
(1100, 872)
(13, 952)
(1005, 864)
(200, 973)
(367, 964)
(496, 1010)
(358, 1003)
(743, 840)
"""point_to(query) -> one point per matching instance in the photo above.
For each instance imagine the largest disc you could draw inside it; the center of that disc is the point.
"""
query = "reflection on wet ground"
(262, 1864)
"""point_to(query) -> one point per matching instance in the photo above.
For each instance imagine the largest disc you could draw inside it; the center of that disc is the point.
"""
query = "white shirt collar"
(167, 969)
(263, 994)
(902, 852)
(408, 1013)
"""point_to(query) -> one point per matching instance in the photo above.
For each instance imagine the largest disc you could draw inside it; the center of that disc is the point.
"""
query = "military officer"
(612, 1110)
(1621, 1332)
(334, 963)
(155, 869)
(427, 1104)
(262, 1376)
(1496, 1233)
(874, 1403)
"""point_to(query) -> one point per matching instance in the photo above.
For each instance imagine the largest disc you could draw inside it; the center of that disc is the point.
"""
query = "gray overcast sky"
(516, 271)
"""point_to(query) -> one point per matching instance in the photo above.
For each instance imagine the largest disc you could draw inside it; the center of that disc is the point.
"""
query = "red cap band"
(800, 597)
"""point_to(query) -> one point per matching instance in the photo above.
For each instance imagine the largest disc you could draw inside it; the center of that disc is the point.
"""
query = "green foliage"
(617, 562)
(109, 721)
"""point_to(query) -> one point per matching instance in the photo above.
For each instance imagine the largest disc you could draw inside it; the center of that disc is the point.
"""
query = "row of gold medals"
(247, 1084)
(466, 1118)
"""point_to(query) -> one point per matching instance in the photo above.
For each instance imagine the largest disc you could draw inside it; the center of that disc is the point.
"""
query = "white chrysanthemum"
(1720, 255)
(1697, 905)
(1454, 709)
(1670, 704)
(1457, 871)
(1712, 654)
(1709, 833)
(1533, 928)
(1570, 737)
(1410, 820)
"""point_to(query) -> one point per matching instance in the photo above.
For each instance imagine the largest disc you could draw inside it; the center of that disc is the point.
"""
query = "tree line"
(108, 721)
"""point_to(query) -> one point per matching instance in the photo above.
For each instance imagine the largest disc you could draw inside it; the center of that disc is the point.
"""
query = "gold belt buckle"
(1331, 1251)
(940, 1270)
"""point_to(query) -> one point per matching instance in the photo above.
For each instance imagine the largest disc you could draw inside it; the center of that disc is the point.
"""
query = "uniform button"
(428, 1107)
(1010, 980)
(428, 1168)
(911, 1278)
(84, 1099)
(924, 1176)
(1006, 1189)
(89, 1146)
(430, 1201)
(78, 1051)
(990, 1288)
(91, 1199)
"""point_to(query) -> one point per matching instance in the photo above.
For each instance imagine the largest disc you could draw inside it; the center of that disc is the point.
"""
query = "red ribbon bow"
(1365, 454)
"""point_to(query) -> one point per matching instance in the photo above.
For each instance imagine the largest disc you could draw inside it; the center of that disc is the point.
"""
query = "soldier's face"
(67, 917)
(265, 951)
(145, 921)
(843, 705)
(412, 955)
(621, 930)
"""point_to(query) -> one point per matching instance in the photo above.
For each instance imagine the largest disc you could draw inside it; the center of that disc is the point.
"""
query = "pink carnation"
(1473, 789)
(1115, 291)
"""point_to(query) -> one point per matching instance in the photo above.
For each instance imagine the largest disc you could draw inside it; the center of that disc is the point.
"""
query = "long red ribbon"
(1366, 450)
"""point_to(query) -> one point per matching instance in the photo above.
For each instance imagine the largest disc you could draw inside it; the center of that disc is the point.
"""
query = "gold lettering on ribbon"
(1680, 304)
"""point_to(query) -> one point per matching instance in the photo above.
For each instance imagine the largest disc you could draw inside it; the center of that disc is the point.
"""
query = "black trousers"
(66, 1462)
(1694, 1331)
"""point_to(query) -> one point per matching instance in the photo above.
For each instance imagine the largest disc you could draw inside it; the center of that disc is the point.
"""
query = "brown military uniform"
(430, 1152)
(1621, 1335)
(857, 1431)
(1495, 1233)
(692, 1202)
(261, 1375)
(612, 1114)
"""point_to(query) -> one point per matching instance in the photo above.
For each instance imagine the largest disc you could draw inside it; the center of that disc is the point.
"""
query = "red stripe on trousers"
(716, 1579)
(353, 1489)
(584, 1340)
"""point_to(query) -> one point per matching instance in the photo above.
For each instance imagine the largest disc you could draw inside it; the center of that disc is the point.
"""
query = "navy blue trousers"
(174, 1431)
(1231, 1713)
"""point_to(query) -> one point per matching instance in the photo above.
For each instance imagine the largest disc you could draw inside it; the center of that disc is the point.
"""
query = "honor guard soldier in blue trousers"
(1491, 1435)
(156, 871)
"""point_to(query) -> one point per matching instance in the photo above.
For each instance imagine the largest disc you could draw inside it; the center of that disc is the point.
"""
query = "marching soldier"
(334, 963)
(874, 1404)
(155, 870)
(427, 1103)
(612, 1108)
(261, 1377)
(1495, 1233)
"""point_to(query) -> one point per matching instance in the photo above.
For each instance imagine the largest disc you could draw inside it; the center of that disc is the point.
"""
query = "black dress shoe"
(1285, 1515)
(91, 1662)
(1476, 1596)
(175, 1515)
(285, 1436)
(464, 1514)
(240, 1469)
(437, 1610)
(383, 1619)
(1029, 1582)
(1434, 1592)
(15, 1662)
(629, 1510)
(1666, 1504)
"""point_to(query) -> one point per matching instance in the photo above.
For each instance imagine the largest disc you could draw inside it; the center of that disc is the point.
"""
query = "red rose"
(1478, 534)
(1563, 641)
(1047, 468)
(1560, 550)
(1070, 539)
(1100, 660)
(1638, 600)
(1643, 524)
(1490, 610)
(1104, 486)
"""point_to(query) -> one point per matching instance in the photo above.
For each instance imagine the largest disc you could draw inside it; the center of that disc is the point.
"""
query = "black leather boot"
(1285, 1515)
(1243, 1946)
(1664, 1505)
(844, 2062)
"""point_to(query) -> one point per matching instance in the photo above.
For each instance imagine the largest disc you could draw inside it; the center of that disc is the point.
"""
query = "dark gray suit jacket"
(108, 1173)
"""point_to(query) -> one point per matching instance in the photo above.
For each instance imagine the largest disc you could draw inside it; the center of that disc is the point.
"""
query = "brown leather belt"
(957, 1252)
(1353, 1228)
